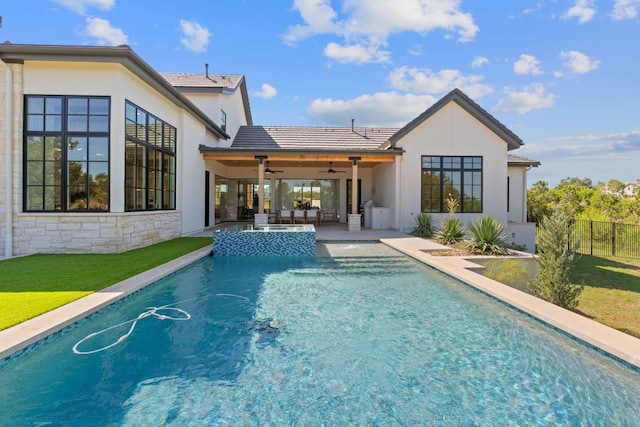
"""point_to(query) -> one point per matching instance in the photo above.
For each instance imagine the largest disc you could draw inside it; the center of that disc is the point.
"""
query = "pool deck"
(622, 346)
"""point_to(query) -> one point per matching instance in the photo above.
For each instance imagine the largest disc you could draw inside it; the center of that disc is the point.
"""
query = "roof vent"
(206, 70)
(352, 124)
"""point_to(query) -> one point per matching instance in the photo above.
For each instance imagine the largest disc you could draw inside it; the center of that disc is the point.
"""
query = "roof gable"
(479, 113)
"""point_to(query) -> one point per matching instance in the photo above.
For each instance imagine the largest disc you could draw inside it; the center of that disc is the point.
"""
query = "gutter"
(8, 244)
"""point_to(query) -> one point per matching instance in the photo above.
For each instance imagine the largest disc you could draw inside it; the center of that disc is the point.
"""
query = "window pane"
(52, 173)
(35, 148)
(53, 123)
(34, 199)
(76, 173)
(77, 106)
(34, 173)
(77, 149)
(53, 105)
(77, 123)
(35, 105)
(130, 112)
(77, 196)
(52, 198)
(35, 122)
(99, 106)
(98, 123)
(52, 148)
(99, 149)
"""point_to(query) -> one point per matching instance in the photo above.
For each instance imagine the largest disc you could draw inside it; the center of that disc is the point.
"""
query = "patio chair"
(286, 216)
(312, 217)
(299, 216)
(330, 215)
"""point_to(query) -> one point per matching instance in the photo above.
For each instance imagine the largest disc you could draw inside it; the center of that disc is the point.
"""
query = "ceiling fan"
(331, 169)
(267, 169)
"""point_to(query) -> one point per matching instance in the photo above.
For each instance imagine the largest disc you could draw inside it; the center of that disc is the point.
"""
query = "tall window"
(150, 161)
(223, 120)
(458, 176)
(66, 146)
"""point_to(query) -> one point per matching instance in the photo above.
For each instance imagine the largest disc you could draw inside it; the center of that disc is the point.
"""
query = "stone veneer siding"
(92, 233)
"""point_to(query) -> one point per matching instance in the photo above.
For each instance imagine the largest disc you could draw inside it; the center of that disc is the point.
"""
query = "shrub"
(487, 237)
(555, 261)
(424, 225)
(451, 231)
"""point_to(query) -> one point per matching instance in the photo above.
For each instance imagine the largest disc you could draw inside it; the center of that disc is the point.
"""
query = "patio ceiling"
(308, 160)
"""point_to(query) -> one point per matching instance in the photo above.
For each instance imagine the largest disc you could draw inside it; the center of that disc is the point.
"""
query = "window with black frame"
(150, 161)
(66, 153)
(455, 177)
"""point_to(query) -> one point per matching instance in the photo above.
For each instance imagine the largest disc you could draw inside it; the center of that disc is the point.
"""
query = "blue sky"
(561, 74)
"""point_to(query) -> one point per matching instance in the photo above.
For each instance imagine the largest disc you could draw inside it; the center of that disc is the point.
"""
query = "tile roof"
(217, 81)
(519, 160)
(311, 138)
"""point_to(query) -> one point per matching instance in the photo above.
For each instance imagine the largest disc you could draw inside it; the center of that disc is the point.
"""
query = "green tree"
(555, 260)
(539, 201)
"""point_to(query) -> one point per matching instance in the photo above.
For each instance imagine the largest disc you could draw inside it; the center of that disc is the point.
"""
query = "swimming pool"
(358, 335)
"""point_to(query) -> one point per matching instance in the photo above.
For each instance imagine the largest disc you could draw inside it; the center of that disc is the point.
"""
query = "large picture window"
(458, 177)
(66, 146)
(150, 161)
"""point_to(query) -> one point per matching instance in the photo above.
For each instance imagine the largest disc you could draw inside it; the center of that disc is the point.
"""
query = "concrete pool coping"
(618, 344)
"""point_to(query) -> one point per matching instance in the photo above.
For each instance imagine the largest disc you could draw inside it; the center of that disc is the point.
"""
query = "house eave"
(122, 55)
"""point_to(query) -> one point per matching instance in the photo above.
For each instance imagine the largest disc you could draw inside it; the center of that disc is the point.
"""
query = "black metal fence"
(606, 239)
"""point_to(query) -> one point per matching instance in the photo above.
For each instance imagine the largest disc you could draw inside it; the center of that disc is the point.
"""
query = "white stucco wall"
(518, 190)
(211, 103)
(453, 132)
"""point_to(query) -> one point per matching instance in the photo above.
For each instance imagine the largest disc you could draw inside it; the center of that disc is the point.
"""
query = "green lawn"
(612, 291)
(35, 284)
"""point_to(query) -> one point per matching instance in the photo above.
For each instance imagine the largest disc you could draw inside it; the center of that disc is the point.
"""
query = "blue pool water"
(358, 335)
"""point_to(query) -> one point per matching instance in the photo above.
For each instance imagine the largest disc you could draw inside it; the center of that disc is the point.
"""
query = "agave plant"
(424, 225)
(487, 237)
(451, 231)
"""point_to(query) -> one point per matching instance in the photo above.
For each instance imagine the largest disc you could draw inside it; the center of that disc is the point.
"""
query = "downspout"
(8, 245)
(524, 193)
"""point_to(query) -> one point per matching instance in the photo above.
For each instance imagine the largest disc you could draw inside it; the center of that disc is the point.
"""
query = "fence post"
(590, 237)
(613, 239)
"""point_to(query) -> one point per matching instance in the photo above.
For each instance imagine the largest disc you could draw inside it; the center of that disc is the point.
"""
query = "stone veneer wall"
(92, 233)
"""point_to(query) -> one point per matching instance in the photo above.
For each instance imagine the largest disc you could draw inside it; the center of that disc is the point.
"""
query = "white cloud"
(415, 50)
(479, 61)
(371, 22)
(80, 6)
(527, 64)
(625, 9)
(529, 99)
(578, 62)
(380, 109)
(195, 37)
(105, 34)
(423, 80)
(587, 146)
(266, 91)
(358, 54)
(583, 10)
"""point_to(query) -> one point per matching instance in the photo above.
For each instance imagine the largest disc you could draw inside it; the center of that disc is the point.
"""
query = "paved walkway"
(614, 342)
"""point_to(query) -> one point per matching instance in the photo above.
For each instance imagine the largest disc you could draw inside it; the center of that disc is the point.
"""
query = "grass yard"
(611, 294)
(35, 284)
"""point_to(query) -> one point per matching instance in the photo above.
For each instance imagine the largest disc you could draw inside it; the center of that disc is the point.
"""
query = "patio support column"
(260, 218)
(354, 216)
